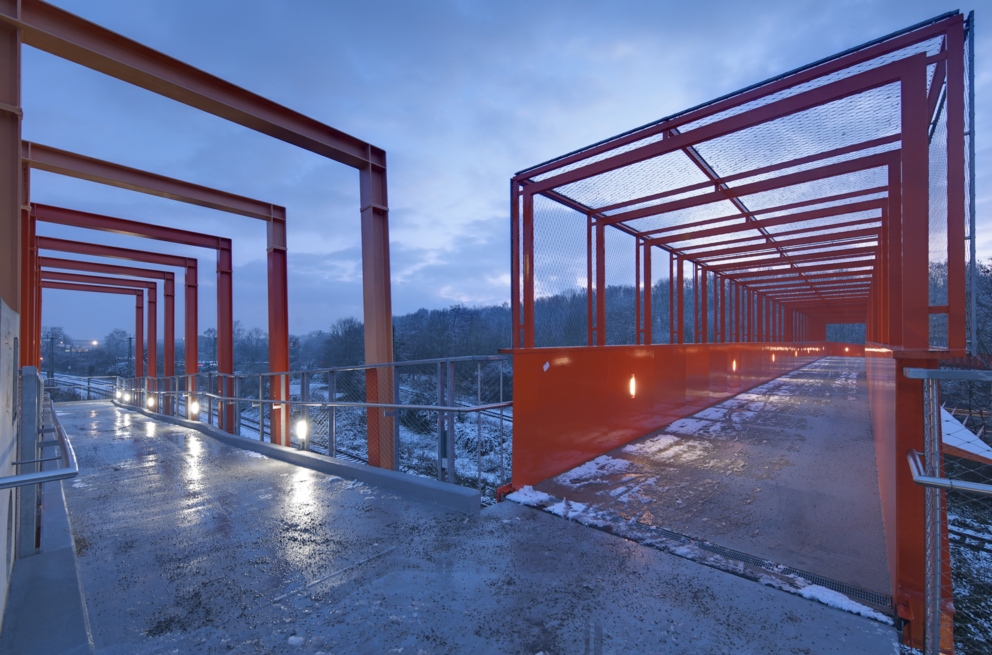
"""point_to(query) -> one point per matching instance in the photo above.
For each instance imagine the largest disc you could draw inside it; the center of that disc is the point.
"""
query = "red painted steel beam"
(62, 162)
(764, 170)
(833, 228)
(188, 264)
(687, 228)
(787, 245)
(837, 90)
(745, 96)
(853, 252)
(169, 292)
(150, 288)
(754, 275)
(139, 339)
(66, 35)
(791, 179)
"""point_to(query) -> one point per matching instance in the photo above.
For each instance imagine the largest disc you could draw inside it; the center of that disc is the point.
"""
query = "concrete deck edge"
(460, 499)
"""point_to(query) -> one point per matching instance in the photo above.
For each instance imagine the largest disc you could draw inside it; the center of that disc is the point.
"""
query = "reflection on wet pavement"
(186, 545)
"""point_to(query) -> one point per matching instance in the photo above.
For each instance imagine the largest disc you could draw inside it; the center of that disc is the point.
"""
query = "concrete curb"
(460, 499)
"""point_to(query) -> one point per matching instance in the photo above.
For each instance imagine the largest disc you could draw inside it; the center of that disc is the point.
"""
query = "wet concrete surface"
(186, 545)
(785, 472)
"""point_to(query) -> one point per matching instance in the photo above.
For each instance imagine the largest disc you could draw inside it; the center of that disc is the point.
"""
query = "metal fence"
(956, 469)
(453, 416)
(68, 388)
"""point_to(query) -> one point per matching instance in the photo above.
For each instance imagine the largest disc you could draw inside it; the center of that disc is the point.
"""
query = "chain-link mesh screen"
(965, 412)
(560, 275)
(802, 182)
(621, 294)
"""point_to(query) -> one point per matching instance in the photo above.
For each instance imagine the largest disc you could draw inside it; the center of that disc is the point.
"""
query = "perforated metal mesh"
(803, 183)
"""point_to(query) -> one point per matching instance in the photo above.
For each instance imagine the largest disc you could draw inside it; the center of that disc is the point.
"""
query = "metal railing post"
(931, 444)
(32, 391)
(237, 406)
(396, 419)
(332, 441)
(441, 443)
(478, 425)
(451, 422)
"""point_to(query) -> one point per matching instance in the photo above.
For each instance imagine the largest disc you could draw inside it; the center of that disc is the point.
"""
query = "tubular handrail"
(920, 478)
(69, 468)
(947, 374)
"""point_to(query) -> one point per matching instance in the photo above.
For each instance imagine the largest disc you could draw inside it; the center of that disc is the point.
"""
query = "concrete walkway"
(785, 472)
(188, 545)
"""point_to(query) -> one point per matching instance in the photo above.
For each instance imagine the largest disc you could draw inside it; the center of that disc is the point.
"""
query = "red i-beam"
(138, 294)
(151, 305)
(188, 264)
(222, 245)
(169, 293)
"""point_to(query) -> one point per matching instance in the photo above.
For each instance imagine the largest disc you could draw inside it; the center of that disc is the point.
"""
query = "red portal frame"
(168, 292)
(151, 305)
(138, 294)
(782, 263)
(188, 264)
(65, 35)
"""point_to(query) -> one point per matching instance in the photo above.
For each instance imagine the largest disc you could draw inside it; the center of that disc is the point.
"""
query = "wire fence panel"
(560, 274)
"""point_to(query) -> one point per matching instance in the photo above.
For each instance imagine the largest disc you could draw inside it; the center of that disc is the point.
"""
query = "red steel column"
(590, 326)
(703, 306)
(139, 335)
(225, 332)
(671, 298)
(600, 283)
(648, 290)
(680, 298)
(515, 337)
(191, 300)
(29, 330)
(278, 328)
(169, 347)
(152, 331)
(377, 297)
(11, 177)
(638, 330)
(956, 338)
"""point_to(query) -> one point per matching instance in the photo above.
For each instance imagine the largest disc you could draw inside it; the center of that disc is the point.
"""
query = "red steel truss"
(831, 194)
(65, 35)
(139, 337)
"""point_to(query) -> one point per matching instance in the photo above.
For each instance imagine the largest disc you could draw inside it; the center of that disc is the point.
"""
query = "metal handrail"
(69, 468)
(920, 478)
(947, 374)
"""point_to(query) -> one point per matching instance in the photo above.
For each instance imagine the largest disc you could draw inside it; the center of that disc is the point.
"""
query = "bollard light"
(150, 402)
(118, 394)
(301, 429)
(633, 386)
(127, 397)
(194, 408)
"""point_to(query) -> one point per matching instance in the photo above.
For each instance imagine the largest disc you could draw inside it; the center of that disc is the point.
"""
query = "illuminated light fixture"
(733, 366)
(127, 397)
(301, 430)
(194, 408)
(633, 386)
(150, 402)
(773, 357)
(94, 343)
(846, 349)
(118, 394)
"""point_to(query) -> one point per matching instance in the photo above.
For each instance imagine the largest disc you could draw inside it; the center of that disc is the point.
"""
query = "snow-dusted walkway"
(785, 472)
(187, 545)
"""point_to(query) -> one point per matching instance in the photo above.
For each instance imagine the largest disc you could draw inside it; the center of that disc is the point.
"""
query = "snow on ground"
(591, 471)
(529, 496)
(840, 601)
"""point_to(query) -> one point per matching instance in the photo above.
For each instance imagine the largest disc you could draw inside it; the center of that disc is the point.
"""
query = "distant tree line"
(559, 320)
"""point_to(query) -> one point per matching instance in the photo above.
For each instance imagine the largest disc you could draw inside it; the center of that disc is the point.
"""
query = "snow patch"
(690, 426)
(652, 446)
(252, 453)
(566, 509)
(529, 496)
(838, 600)
(712, 414)
(591, 471)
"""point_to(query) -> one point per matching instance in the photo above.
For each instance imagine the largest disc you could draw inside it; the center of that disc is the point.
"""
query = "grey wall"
(8, 444)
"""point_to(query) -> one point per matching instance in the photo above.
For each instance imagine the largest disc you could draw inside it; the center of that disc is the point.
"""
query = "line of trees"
(560, 320)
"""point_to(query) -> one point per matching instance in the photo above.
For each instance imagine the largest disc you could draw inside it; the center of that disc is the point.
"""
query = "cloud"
(460, 94)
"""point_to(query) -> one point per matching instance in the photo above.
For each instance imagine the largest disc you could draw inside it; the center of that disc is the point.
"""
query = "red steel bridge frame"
(778, 289)
(58, 32)
(151, 305)
(50, 265)
(225, 310)
(187, 264)
(124, 290)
